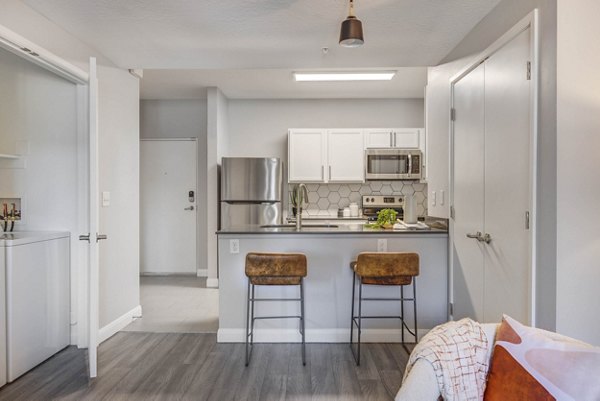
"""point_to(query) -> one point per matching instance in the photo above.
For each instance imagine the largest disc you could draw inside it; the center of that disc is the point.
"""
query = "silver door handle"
(486, 238)
(84, 237)
(395, 138)
(189, 208)
(101, 237)
(322, 173)
(329, 173)
(476, 236)
(391, 139)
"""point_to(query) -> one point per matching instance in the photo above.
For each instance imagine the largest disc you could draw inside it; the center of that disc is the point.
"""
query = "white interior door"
(507, 177)
(168, 193)
(468, 179)
(94, 223)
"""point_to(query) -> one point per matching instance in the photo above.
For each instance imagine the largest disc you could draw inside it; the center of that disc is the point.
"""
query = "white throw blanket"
(458, 353)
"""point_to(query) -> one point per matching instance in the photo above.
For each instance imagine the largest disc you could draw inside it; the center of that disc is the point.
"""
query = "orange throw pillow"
(534, 364)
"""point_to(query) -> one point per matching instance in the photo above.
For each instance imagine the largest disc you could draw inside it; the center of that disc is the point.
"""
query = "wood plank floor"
(180, 366)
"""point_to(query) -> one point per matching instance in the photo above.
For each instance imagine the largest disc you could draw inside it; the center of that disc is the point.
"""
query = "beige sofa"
(421, 384)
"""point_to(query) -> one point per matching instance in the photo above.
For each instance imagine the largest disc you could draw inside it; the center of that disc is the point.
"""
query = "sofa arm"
(420, 385)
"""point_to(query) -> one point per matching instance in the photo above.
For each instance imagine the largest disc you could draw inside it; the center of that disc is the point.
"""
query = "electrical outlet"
(234, 246)
(382, 245)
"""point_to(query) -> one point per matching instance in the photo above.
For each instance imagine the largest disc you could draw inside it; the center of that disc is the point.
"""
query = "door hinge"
(529, 70)
(452, 213)
(451, 309)
(453, 114)
(527, 220)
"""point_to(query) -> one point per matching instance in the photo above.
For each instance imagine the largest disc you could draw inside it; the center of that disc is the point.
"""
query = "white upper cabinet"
(345, 151)
(321, 155)
(307, 155)
(408, 138)
(379, 138)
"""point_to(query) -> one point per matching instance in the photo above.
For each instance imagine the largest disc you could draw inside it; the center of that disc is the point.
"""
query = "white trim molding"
(118, 324)
(315, 335)
(212, 283)
(202, 273)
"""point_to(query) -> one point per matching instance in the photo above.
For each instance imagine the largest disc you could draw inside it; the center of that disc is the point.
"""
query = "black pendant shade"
(351, 34)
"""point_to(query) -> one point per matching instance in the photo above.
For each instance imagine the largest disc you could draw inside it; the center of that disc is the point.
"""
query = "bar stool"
(281, 269)
(384, 268)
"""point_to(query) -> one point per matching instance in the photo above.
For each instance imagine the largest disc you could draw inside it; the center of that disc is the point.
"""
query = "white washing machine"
(37, 269)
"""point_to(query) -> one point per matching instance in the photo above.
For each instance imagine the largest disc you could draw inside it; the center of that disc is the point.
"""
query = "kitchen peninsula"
(329, 248)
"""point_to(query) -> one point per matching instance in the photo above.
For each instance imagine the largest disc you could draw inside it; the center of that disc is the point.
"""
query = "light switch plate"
(382, 245)
(105, 199)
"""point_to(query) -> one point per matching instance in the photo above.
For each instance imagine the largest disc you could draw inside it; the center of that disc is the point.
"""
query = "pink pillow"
(534, 364)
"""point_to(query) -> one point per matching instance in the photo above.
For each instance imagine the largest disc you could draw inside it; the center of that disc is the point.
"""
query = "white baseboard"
(212, 283)
(118, 324)
(315, 336)
(202, 273)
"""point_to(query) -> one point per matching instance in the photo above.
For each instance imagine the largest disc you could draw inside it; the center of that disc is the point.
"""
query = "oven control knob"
(372, 199)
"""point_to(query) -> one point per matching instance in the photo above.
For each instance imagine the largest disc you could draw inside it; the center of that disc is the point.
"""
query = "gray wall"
(578, 256)
(505, 15)
(181, 119)
(259, 127)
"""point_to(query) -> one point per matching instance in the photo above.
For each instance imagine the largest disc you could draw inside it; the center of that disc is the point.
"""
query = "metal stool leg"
(352, 313)
(247, 322)
(415, 307)
(359, 319)
(402, 311)
(302, 322)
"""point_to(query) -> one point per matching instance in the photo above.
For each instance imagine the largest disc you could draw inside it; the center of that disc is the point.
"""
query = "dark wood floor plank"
(323, 383)
(274, 385)
(153, 366)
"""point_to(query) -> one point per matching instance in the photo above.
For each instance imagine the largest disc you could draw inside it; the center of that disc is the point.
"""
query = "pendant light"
(351, 34)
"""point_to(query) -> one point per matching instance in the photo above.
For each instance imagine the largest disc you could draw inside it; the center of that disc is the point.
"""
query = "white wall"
(505, 15)
(216, 147)
(119, 163)
(578, 144)
(181, 119)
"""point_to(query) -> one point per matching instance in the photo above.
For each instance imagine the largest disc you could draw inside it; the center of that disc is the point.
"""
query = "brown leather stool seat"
(386, 269)
(281, 269)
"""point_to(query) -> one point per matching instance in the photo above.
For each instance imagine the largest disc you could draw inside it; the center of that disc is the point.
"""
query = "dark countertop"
(315, 228)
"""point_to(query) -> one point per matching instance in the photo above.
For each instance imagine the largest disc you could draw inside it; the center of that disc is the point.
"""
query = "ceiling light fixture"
(351, 34)
(344, 76)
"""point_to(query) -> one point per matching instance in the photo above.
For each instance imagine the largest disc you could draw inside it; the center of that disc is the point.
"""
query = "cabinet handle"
(391, 139)
(322, 173)
(486, 238)
(394, 138)
(329, 173)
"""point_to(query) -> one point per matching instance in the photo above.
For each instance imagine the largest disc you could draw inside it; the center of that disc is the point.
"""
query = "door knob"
(189, 208)
(476, 236)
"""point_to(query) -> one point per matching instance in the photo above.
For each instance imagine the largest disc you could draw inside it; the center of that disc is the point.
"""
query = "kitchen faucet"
(302, 197)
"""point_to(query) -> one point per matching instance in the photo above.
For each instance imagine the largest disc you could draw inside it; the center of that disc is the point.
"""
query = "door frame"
(81, 287)
(528, 22)
(199, 272)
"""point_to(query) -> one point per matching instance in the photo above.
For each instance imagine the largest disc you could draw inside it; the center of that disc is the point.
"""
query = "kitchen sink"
(303, 226)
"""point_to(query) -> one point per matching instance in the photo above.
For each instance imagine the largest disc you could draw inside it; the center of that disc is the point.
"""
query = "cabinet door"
(345, 151)
(406, 138)
(379, 138)
(307, 155)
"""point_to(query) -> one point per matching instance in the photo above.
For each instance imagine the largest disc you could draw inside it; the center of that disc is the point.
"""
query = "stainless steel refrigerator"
(251, 191)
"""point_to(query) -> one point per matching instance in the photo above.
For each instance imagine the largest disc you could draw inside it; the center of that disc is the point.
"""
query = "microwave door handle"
(409, 164)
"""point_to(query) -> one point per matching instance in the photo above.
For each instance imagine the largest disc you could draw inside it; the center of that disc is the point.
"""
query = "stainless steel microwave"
(393, 164)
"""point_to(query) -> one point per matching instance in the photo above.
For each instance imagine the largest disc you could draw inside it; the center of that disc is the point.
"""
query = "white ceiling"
(259, 42)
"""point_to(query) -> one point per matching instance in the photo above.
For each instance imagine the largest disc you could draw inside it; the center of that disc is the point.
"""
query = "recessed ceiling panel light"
(344, 76)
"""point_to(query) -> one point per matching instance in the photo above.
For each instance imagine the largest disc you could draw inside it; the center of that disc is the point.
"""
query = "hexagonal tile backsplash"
(328, 198)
